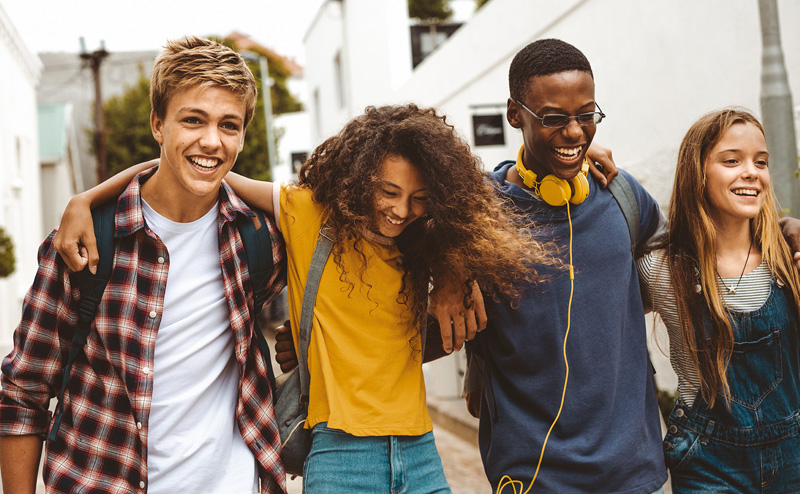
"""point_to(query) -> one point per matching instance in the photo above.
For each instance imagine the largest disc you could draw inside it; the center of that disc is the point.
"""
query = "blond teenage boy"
(172, 394)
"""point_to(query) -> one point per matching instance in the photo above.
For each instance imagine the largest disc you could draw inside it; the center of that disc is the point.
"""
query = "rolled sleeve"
(31, 372)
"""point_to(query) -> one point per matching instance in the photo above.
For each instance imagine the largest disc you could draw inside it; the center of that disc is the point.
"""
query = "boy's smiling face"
(200, 136)
(559, 152)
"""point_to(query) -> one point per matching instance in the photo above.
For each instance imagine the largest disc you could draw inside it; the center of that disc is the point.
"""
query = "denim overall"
(753, 447)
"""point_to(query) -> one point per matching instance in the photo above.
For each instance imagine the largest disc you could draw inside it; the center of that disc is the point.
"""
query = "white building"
(658, 66)
(20, 204)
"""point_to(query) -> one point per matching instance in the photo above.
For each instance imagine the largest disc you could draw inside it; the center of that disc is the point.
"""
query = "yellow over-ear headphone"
(553, 190)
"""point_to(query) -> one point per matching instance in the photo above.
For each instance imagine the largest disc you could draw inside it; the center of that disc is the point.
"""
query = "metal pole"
(777, 110)
(266, 84)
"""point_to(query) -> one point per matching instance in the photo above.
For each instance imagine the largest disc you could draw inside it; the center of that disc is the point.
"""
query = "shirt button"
(673, 429)
(679, 412)
(139, 425)
(146, 370)
(141, 484)
(153, 314)
(160, 260)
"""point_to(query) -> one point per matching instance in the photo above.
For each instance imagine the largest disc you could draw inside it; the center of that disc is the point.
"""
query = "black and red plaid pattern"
(102, 443)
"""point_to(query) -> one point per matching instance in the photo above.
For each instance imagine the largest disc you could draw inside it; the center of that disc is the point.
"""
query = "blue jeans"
(753, 446)
(340, 462)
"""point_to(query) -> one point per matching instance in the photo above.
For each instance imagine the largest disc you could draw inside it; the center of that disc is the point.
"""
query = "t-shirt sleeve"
(652, 222)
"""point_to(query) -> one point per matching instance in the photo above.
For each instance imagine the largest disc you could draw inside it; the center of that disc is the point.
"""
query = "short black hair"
(543, 57)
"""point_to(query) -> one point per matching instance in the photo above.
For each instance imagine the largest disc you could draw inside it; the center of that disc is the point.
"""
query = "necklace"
(732, 289)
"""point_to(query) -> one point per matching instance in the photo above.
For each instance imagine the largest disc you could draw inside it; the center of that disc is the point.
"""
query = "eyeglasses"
(556, 121)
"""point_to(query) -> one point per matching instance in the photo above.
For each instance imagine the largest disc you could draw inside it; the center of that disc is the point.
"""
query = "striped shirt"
(751, 293)
(102, 442)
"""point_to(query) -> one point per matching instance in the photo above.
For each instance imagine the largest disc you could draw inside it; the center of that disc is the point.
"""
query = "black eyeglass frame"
(597, 117)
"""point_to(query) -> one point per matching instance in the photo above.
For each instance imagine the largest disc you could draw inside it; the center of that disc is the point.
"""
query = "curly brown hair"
(467, 230)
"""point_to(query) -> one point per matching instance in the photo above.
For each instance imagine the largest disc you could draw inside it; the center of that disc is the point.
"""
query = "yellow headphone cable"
(506, 480)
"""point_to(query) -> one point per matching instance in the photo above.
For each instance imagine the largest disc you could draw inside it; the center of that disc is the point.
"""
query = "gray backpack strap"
(622, 191)
(320, 257)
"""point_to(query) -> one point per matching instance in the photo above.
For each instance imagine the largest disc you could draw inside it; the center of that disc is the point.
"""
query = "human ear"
(512, 114)
(241, 140)
(155, 126)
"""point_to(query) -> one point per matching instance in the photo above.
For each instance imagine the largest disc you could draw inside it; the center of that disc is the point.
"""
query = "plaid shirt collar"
(130, 219)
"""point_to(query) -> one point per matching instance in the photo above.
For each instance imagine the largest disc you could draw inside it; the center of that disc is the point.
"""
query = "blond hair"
(193, 61)
(692, 253)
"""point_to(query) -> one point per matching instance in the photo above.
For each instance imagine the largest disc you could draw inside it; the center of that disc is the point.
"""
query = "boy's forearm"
(254, 192)
(19, 463)
(113, 187)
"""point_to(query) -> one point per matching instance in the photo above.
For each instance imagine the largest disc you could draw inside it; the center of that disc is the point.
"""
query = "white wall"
(374, 43)
(20, 206)
(295, 138)
(658, 66)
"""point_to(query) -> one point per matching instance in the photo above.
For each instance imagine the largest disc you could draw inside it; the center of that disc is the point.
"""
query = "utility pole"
(93, 61)
(777, 110)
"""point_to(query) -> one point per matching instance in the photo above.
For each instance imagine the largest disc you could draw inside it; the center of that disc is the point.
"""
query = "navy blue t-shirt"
(608, 437)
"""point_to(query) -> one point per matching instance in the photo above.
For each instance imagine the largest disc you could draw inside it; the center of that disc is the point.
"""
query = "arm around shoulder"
(254, 192)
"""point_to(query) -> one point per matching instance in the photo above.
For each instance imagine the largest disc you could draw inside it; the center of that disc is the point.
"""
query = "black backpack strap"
(91, 287)
(258, 247)
(622, 191)
(320, 257)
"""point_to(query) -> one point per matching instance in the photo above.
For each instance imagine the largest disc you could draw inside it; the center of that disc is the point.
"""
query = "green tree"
(430, 11)
(130, 141)
(128, 136)
(7, 259)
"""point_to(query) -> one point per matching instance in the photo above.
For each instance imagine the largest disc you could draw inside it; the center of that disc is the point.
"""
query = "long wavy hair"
(692, 253)
(467, 230)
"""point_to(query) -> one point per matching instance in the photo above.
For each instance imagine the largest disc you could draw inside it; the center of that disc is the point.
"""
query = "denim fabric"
(340, 462)
(753, 446)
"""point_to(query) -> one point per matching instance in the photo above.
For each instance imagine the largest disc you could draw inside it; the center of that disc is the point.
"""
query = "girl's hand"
(601, 164)
(75, 240)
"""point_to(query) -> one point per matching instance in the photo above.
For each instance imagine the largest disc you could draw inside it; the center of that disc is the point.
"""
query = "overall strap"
(91, 287)
(320, 257)
(622, 191)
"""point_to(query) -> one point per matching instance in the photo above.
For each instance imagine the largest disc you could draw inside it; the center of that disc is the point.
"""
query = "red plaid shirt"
(102, 442)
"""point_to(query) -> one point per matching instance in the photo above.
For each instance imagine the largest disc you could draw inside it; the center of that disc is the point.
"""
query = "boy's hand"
(75, 240)
(791, 231)
(285, 354)
(601, 164)
(458, 322)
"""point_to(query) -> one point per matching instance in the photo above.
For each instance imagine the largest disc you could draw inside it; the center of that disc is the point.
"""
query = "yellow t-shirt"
(366, 374)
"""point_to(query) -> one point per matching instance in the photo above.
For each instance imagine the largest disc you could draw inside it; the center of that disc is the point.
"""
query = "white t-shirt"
(194, 443)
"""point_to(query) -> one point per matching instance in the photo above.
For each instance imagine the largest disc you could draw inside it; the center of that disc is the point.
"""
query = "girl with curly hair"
(410, 210)
(727, 289)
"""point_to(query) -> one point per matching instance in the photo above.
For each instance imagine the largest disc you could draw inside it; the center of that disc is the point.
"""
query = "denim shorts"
(340, 462)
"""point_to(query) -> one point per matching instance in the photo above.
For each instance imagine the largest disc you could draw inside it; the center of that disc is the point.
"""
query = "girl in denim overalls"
(727, 289)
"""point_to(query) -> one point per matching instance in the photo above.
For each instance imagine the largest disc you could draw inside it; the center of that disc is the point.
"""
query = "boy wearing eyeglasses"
(607, 437)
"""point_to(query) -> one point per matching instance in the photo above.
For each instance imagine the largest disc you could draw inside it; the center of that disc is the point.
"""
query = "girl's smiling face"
(737, 174)
(401, 196)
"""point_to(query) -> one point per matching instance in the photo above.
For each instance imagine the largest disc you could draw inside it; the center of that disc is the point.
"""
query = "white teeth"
(394, 222)
(208, 164)
(568, 152)
(745, 192)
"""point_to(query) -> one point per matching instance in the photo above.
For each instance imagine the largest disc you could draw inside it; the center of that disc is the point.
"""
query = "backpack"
(622, 192)
(257, 245)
